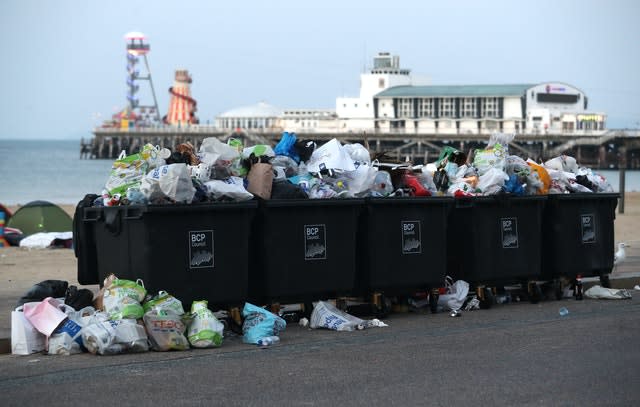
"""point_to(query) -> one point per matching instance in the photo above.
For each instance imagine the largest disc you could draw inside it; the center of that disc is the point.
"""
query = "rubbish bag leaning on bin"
(455, 294)
(260, 323)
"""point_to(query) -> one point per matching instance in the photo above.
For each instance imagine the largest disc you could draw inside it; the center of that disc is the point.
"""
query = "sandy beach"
(21, 268)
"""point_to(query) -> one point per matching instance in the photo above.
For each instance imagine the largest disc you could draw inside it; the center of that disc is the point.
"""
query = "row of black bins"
(303, 250)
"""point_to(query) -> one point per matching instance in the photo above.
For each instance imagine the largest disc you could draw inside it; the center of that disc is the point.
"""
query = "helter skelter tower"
(136, 48)
(182, 106)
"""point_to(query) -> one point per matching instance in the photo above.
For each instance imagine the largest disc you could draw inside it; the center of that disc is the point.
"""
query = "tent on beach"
(40, 216)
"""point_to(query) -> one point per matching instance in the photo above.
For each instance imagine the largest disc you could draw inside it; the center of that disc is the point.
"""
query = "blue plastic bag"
(287, 146)
(260, 323)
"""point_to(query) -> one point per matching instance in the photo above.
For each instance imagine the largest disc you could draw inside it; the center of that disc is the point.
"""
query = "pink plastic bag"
(45, 315)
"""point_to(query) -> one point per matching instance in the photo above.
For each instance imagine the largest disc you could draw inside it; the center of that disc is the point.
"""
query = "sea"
(52, 170)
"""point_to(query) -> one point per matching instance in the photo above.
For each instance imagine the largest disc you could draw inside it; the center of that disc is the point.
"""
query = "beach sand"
(21, 268)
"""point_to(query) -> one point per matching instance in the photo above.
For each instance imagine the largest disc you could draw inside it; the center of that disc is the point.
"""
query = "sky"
(63, 64)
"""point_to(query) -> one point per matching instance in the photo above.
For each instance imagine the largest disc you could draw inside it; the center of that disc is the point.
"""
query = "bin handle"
(462, 203)
(112, 220)
(133, 212)
(91, 216)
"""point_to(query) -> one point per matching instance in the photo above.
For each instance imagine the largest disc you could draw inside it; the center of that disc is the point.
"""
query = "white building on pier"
(391, 99)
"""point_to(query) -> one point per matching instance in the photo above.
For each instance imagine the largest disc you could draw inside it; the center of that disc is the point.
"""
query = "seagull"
(620, 255)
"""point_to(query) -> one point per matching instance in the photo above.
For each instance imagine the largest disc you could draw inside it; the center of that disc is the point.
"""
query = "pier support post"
(622, 166)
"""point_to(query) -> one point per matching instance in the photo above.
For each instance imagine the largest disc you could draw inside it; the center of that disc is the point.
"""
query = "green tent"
(40, 216)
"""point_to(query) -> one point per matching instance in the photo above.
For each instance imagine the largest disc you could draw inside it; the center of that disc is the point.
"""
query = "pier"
(600, 149)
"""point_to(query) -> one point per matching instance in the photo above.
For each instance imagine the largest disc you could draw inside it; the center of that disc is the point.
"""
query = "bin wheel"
(433, 300)
(557, 289)
(604, 281)
(487, 299)
(535, 293)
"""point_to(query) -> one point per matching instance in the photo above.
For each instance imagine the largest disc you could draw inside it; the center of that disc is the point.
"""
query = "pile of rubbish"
(122, 317)
(295, 168)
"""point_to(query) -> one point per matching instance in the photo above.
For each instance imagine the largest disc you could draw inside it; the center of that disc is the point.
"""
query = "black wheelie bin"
(304, 250)
(404, 242)
(194, 252)
(579, 235)
(495, 241)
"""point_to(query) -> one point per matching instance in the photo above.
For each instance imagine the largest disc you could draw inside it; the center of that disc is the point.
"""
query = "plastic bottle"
(563, 312)
(268, 340)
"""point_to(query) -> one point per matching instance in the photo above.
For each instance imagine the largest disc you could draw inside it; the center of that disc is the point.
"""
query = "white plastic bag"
(326, 315)
(599, 292)
(492, 181)
(205, 331)
(358, 153)
(231, 188)
(171, 181)
(213, 150)
(330, 155)
(113, 337)
(455, 296)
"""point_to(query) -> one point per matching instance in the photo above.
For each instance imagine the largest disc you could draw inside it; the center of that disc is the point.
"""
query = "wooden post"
(622, 166)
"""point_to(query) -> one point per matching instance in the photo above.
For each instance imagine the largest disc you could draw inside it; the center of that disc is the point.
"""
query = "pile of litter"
(295, 168)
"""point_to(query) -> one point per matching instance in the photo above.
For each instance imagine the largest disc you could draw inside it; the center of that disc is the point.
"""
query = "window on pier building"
(425, 108)
(489, 107)
(467, 107)
(405, 107)
(447, 107)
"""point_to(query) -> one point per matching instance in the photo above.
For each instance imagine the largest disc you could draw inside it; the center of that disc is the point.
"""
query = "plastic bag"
(165, 330)
(205, 331)
(171, 181)
(286, 146)
(164, 301)
(113, 337)
(486, 159)
(330, 155)
(598, 292)
(358, 153)
(44, 289)
(66, 339)
(122, 299)
(214, 151)
(361, 179)
(540, 174)
(326, 315)
(260, 323)
(455, 295)
(492, 181)
(258, 150)
(231, 188)
(45, 315)
(126, 172)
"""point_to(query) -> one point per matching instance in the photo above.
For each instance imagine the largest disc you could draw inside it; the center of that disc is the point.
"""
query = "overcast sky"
(63, 61)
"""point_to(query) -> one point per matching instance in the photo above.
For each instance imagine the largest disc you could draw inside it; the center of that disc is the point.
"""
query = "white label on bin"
(509, 228)
(201, 249)
(411, 237)
(315, 242)
(588, 223)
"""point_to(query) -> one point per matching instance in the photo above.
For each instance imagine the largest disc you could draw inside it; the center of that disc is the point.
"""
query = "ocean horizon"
(52, 170)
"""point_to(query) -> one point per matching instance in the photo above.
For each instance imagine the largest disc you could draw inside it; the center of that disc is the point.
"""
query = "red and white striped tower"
(182, 106)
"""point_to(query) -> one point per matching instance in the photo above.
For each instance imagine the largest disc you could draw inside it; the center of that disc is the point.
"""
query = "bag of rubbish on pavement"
(326, 315)
(165, 330)
(122, 299)
(598, 292)
(205, 331)
(164, 301)
(113, 337)
(455, 295)
(260, 323)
